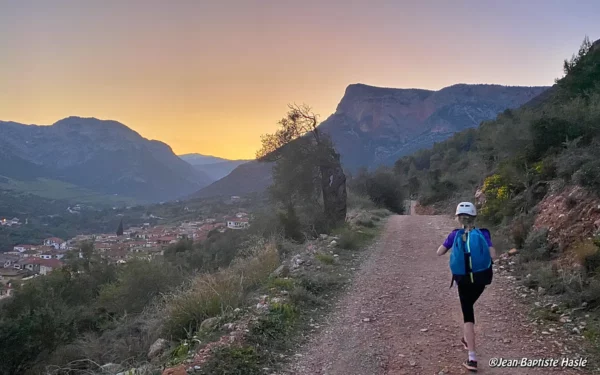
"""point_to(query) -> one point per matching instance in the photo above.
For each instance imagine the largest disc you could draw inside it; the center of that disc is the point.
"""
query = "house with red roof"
(49, 265)
(166, 240)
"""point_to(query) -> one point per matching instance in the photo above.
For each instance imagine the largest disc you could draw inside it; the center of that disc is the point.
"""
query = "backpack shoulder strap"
(479, 233)
(458, 234)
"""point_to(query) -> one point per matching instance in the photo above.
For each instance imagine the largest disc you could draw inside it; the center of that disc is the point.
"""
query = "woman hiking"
(471, 265)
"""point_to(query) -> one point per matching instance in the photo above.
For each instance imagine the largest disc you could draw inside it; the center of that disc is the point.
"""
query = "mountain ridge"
(103, 155)
(375, 126)
(213, 166)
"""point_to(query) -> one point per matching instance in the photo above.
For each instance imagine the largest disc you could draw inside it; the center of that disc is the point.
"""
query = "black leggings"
(468, 294)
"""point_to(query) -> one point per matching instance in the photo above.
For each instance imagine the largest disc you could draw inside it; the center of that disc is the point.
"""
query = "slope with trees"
(535, 175)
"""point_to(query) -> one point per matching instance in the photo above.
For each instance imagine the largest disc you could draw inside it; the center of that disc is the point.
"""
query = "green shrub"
(541, 275)
(139, 281)
(519, 231)
(273, 329)
(589, 175)
(536, 246)
(359, 201)
(282, 283)
(592, 263)
(320, 284)
(287, 311)
(551, 132)
(302, 297)
(292, 226)
(233, 360)
(325, 258)
(210, 295)
(591, 293)
(570, 161)
(352, 239)
(366, 223)
(385, 190)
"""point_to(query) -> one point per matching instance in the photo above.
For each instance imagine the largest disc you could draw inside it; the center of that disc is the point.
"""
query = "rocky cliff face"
(374, 126)
(104, 156)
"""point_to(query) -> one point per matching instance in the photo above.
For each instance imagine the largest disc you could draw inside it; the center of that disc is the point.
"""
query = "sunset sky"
(212, 76)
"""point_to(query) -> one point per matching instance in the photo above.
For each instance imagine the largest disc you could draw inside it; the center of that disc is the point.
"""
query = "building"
(12, 274)
(55, 242)
(237, 223)
(49, 265)
(23, 248)
(8, 260)
(10, 222)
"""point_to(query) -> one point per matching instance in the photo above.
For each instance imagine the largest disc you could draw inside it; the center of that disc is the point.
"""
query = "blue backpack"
(470, 260)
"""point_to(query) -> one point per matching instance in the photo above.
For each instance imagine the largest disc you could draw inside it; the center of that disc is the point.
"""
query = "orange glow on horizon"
(211, 78)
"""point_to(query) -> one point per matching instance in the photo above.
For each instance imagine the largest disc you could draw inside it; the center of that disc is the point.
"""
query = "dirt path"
(400, 317)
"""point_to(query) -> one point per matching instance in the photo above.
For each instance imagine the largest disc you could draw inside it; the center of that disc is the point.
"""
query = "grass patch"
(302, 297)
(353, 239)
(546, 314)
(272, 331)
(180, 353)
(366, 223)
(281, 283)
(320, 283)
(233, 360)
(325, 258)
(214, 294)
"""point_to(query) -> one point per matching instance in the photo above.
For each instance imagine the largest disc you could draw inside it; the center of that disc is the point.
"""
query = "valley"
(122, 254)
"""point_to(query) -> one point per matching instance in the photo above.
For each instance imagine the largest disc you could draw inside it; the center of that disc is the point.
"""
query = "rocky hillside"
(535, 175)
(214, 167)
(374, 126)
(104, 156)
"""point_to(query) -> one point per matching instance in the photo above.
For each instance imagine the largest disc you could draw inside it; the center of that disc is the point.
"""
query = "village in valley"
(27, 261)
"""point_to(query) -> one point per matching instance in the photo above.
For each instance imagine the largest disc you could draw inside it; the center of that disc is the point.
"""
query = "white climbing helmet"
(466, 208)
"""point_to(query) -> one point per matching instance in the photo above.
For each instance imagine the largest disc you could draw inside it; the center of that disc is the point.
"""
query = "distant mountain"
(103, 156)
(199, 159)
(251, 177)
(214, 167)
(375, 126)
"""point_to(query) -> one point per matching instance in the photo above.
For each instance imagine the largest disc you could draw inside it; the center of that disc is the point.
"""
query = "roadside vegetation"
(535, 175)
(239, 301)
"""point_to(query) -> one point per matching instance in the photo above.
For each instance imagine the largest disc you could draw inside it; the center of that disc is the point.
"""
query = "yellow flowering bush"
(497, 192)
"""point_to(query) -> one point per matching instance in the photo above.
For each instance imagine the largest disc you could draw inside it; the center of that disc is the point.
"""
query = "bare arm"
(493, 252)
(442, 250)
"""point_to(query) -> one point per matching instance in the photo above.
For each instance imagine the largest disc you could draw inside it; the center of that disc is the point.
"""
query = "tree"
(385, 190)
(120, 228)
(306, 164)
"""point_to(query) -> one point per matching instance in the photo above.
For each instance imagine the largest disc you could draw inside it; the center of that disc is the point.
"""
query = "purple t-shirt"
(450, 239)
